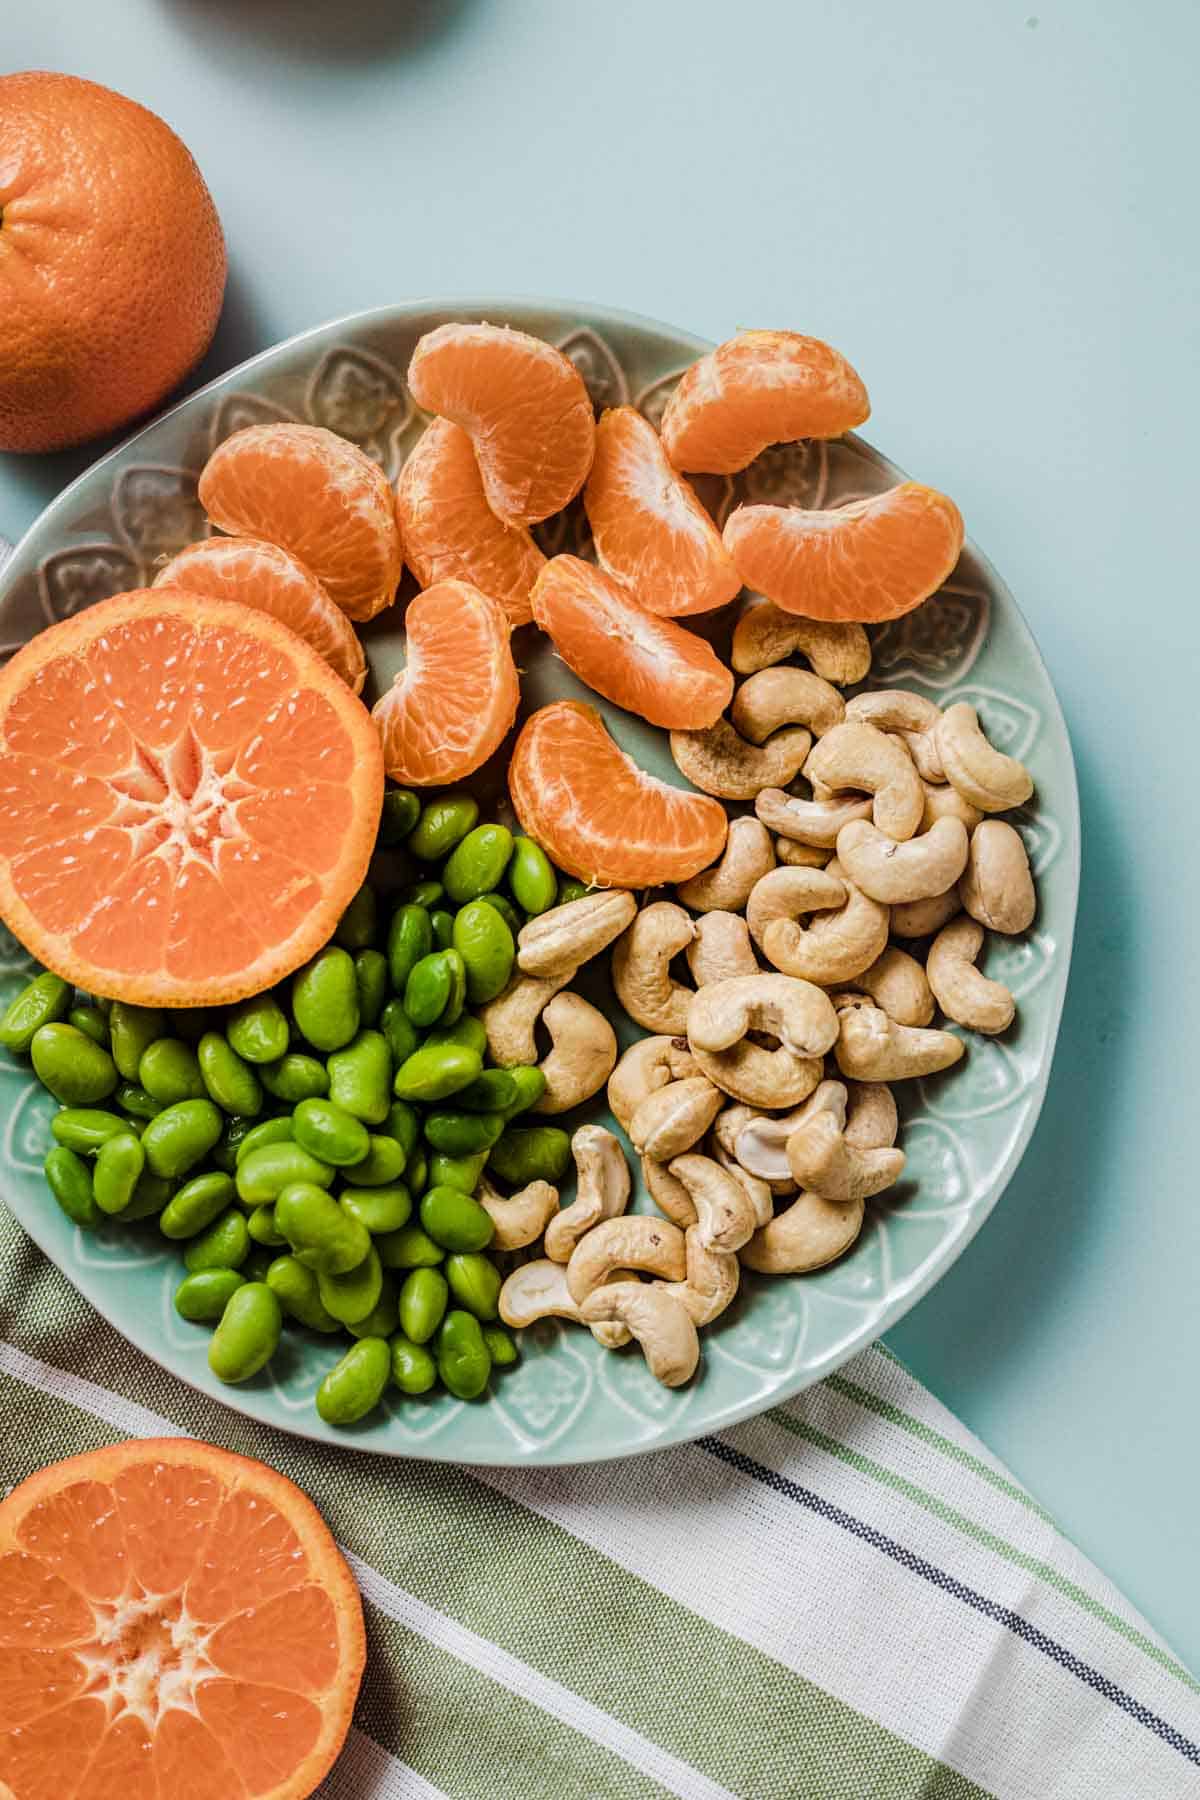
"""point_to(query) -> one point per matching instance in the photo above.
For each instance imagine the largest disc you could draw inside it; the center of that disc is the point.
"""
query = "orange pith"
(650, 530)
(188, 798)
(176, 1623)
(450, 532)
(871, 560)
(648, 665)
(316, 495)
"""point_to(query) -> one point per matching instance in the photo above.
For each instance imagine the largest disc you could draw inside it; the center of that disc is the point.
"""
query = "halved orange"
(871, 560)
(449, 530)
(650, 666)
(598, 815)
(315, 494)
(651, 531)
(759, 388)
(262, 575)
(524, 406)
(188, 798)
(175, 1621)
(449, 709)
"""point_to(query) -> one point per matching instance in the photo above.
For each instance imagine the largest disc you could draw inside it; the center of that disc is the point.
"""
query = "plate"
(568, 1400)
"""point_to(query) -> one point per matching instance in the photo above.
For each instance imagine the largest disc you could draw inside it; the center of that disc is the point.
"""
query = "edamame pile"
(315, 1150)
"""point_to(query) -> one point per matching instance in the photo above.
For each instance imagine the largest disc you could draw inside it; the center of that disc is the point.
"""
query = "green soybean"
(355, 1385)
(436, 1071)
(330, 1133)
(410, 937)
(265, 1171)
(228, 1080)
(70, 1181)
(43, 1001)
(424, 1297)
(408, 1248)
(465, 1034)
(295, 1288)
(474, 1282)
(462, 1133)
(503, 905)
(486, 946)
(428, 989)
(403, 1124)
(325, 999)
(196, 1204)
(452, 1011)
(322, 1234)
(169, 1071)
(151, 1195)
(356, 927)
(248, 1333)
(443, 822)
(500, 1346)
(477, 862)
(224, 1152)
(260, 1223)
(530, 1084)
(225, 1244)
(569, 889)
(353, 1294)
(119, 1164)
(531, 1153)
(371, 974)
(203, 1297)
(76, 1071)
(493, 1091)
(271, 1131)
(295, 1077)
(91, 1021)
(399, 813)
(462, 1356)
(384, 1317)
(134, 1099)
(413, 1368)
(399, 1032)
(132, 1030)
(180, 1136)
(461, 1172)
(84, 1128)
(443, 927)
(416, 1171)
(531, 877)
(425, 894)
(258, 1029)
(454, 1220)
(360, 1077)
(379, 1209)
(383, 1164)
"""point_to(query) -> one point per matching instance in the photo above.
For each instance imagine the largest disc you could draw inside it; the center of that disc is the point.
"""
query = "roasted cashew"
(712, 1280)
(522, 1217)
(641, 968)
(725, 1214)
(964, 993)
(808, 1234)
(644, 1068)
(858, 757)
(895, 873)
(812, 822)
(821, 1158)
(834, 945)
(675, 1117)
(509, 1020)
(725, 886)
(897, 982)
(559, 941)
(602, 1190)
(920, 918)
(800, 856)
(872, 1120)
(662, 1326)
(765, 634)
(721, 949)
(634, 1241)
(760, 1146)
(669, 1195)
(996, 886)
(761, 1077)
(538, 1290)
(584, 1050)
(718, 759)
(789, 894)
(777, 697)
(990, 780)
(907, 716)
(872, 1047)
(795, 1012)
(945, 802)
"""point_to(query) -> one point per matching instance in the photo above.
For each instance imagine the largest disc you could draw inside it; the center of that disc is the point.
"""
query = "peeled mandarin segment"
(316, 496)
(524, 406)
(452, 705)
(874, 559)
(650, 530)
(648, 665)
(156, 873)
(760, 388)
(451, 533)
(599, 816)
(270, 579)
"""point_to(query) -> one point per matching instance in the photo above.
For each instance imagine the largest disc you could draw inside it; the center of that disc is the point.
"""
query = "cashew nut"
(761, 1144)
(964, 993)
(538, 1290)
(863, 759)
(895, 873)
(808, 1234)
(776, 697)
(645, 1067)
(997, 886)
(990, 780)
(641, 968)
(712, 1280)
(722, 1140)
(584, 1049)
(945, 802)
(760, 1194)
(812, 822)
(521, 1218)
(872, 1047)
(724, 1212)
(897, 982)
(908, 716)
(872, 1120)
(788, 894)
(602, 1190)
(761, 1077)
(720, 761)
(821, 1158)
(721, 949)
(795, 1012)
(559, 941)
(668, 1194)
(765, 634)
(661, 1325)
(919, 918)
(509, 1020)
(838, 941)
(675, 1117)
(634, 1241)
(726, 885)
(800, 856)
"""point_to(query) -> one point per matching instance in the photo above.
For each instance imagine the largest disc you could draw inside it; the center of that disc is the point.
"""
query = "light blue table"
(985, 207)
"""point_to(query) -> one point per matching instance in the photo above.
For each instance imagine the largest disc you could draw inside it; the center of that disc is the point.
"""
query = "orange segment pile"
(188, 798)
(523, 404)
(597, 814)
(450, 532)
(648, 665)
(316, 495)
(650, 530)
(872, 560)
(175, 1621)
(268, 578)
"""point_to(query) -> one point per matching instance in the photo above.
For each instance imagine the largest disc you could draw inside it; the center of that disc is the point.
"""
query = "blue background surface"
(984, 204)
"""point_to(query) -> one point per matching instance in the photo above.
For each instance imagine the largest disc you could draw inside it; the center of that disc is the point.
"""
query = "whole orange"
(112, 261)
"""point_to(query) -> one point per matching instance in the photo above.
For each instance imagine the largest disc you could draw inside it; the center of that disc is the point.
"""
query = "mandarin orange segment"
(650, 530)
(524, 406)
(458, 695)
(262, 575)
(155, 873)
(451, 533)
(871, 560)
(598, 815)
(316, 496)
(759, 388)
(648, 665)
(175, 1681)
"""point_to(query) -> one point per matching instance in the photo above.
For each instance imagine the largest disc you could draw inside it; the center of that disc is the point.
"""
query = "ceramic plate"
(568, 1400)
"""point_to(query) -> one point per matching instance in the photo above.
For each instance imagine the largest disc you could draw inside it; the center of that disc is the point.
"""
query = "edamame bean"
(531, 877)
(443, 822)
(531, 1153)
(416, 1171)
(408, 1248)
(462, 1133)
(461, 1172)
(228, 1080)
(84, 1128)
(76, 1071)
(400, 1034)
(379, 1209)
(360, 1077)
(224, 1151)
(354, 1294)
(504, 906)
(466, 1034)
(443, 927)
(196, 1204)
(43, 1001)
(424, 1297)
(354, 1386)
(180, 1136)
(413, 1368)
(134, 1099)
(404, 1125)
(91, 1021)
(436, 1071)
(356, 927)
(486, 946)
(382, 1165)
(264, 1172)
(410, 937)
(384, 1317)
(203, 1297)
(477, 863)
(530, 1085)
(330, 1133)
(322, 1234)
(295, 1077)
(295, 1288)
(428, 989)
(462, 1356)
(500, 1346)
(247, 1335)
(258, 1029)
(133, 1029)
(69, 1180)
(325, 999)
(271, 1131)
(474, 1282)
(399, 813)
(151, 1195)
(170, 1071)
(453, 1010)
(225, 1244)
(569, 889)
(119, 1164)
(493, 1091)
(454, 1220)
(371, 974)
(425, 894)
(260, 1223)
